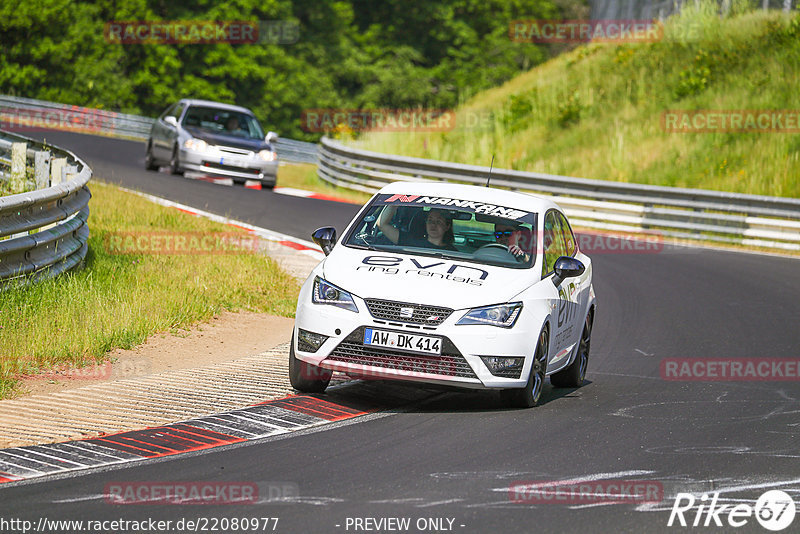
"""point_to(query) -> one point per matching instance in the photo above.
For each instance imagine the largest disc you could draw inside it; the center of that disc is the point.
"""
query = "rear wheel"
(530, 395)
(149, 162)
(573, 376)
(175, 163)
(306, 377)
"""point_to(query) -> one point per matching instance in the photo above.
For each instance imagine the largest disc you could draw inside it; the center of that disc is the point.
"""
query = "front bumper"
(250, 168)
(460, 363)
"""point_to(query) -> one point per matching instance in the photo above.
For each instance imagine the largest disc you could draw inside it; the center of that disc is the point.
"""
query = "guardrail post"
(18, 161)
(57, 170)
(41, 169)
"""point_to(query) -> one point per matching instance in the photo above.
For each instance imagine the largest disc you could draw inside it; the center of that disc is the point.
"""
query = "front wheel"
(149, 162)
(175, 163)
(530, 395)
(574, 375)
(306, 377)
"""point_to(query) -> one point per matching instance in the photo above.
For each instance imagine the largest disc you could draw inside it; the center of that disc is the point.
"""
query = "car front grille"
(234, 150)
(217, 166)
(449, 363)
(389, 310)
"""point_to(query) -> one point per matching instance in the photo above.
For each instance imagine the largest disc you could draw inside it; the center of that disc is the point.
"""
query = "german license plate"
(233, 162)
(398, 340)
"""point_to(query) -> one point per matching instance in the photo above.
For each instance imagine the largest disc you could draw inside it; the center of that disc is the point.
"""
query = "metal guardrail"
(43, 232)
(694, 214)
(29, 112)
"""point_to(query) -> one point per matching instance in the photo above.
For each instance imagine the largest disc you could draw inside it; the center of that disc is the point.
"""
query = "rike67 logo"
(774, 510)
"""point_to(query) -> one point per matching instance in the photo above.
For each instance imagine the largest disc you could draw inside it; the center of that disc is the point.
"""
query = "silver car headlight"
(327, 293)
(268, 155)
(198, 145)
(503, 315)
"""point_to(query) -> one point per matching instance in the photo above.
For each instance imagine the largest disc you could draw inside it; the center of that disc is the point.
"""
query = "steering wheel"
(495, 245)
(500, 246)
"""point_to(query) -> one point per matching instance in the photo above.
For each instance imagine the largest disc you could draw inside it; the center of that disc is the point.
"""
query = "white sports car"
(448, 284)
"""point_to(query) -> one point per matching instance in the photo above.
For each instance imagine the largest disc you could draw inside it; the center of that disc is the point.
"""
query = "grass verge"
(596, 112)
(304, 176)
(118, 300)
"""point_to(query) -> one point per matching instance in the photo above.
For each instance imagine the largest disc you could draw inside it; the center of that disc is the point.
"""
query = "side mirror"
(271, 137)
(325, 237)
(172, 121)
(567, 267)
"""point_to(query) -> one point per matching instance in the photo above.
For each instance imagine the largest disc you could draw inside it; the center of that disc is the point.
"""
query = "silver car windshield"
(474, 233)
(223, 121)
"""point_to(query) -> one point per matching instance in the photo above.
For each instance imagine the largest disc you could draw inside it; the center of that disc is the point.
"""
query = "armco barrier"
(28, 112)
(43, 232)
(696, 214)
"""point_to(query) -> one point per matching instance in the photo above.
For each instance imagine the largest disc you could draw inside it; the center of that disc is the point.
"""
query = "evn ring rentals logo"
(774, 510)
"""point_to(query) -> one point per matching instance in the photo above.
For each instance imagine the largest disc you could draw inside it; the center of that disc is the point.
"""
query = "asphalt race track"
(446, 461)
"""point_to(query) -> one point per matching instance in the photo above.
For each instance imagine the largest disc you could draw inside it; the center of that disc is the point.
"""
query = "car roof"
(211, 103)
(488, 195)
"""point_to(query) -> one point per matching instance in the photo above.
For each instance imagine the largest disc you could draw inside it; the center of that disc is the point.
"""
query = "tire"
(270, 186)
(529, 396)
(175, 163)
(574, 375)
(149, 162)
(238, 181)
(306, 377)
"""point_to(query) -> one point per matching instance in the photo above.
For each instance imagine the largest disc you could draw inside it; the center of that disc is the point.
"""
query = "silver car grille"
(405, 312)
(234, 150)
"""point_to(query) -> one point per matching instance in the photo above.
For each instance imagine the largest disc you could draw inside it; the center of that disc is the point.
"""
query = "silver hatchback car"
(214, 139)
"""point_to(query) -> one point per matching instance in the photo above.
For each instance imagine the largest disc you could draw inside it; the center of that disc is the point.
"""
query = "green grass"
(304, 176)
(595, 112)
(118, 300)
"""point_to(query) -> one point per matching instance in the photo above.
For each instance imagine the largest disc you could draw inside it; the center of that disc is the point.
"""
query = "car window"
(223, 121)
(553, 242)
(568, 236)
(464, 233)
(168, 111)
(178, 109)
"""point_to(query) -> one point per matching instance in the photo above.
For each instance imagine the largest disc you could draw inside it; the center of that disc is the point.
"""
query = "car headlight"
(198, 145)
(503, 315)
(268, 155)
(327, 293)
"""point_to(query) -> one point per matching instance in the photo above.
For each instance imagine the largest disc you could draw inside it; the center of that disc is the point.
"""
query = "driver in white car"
(518, 240)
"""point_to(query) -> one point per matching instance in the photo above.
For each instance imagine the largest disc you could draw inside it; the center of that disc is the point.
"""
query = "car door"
(565, 307)
(164, 134)
(576, 288)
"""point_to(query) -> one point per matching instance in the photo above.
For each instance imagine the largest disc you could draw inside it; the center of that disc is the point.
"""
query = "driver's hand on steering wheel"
(515, 250)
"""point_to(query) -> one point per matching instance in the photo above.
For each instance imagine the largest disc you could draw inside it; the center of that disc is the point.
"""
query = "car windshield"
(449, 228)
(223, 121)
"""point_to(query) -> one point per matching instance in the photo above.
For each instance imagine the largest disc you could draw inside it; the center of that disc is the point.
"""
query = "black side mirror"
(567, 267)
(325, 237)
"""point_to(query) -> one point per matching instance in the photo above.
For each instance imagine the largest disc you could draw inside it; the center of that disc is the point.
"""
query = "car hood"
(228, 140)
(423, 279)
